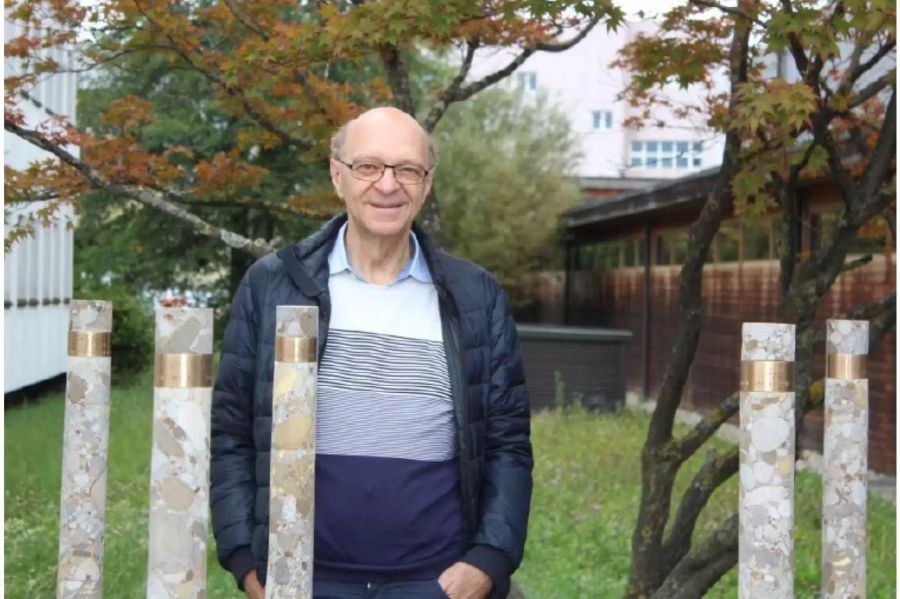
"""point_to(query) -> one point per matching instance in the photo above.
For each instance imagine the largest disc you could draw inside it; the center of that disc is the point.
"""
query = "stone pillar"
(766, 548)
(845, 460)
(293, 475)
(179, 465)
(82, 512)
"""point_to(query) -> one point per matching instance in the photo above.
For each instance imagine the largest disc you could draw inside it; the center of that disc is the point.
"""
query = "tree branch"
(150, 197)
(487, 81)
(285, 137)
(562, 46)
(700, 236)
(398, 77)
(32, 195)
(786, 190)
(813, 76)
(703, 566)
(881, 324)
(717, 468)
(856, 263)
(246, 22)
(187, 200)
(731, 10)
(455, 92)
(883, 311)
(873, 89)
(881, 161)
(658, 463)
(443, 102)
(858, 69)
(685, 446)
(800, 59)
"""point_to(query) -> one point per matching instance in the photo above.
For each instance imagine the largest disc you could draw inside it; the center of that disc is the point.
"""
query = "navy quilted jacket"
(490, 401)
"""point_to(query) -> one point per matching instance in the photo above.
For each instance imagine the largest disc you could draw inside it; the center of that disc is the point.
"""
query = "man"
(423, 458)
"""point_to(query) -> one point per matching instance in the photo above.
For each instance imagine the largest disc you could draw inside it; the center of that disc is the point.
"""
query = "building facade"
(624, 259)
(37, 281)
(583, 84)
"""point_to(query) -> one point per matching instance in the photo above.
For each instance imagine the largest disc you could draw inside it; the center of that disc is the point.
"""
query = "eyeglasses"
(368, 170)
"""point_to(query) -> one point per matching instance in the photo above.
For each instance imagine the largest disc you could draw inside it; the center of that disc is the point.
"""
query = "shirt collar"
(416, 268)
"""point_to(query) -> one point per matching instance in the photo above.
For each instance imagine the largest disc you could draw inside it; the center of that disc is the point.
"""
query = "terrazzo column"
(82, 512)
(292, 481)
(179, 465)
(845, 460)
(766, 550)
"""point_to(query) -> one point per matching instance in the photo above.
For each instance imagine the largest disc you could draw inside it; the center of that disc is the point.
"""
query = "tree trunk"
(659, 460)
(239, 260)
(430, 219)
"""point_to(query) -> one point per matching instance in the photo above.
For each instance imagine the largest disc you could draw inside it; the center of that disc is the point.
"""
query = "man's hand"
(252, 587)
(465, 581)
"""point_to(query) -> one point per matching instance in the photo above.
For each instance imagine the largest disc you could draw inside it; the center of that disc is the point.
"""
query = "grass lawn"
(585, 500)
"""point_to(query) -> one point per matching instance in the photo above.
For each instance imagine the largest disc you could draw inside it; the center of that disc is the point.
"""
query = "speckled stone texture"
(184, 330)
(767, 341)
(85, 445)
(296, 321)
(765, 550)
(292, 499)
(179, 469)
(844, 469)
(847, 337)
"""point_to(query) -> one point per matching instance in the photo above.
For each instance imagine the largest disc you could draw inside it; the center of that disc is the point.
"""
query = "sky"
(631, 7)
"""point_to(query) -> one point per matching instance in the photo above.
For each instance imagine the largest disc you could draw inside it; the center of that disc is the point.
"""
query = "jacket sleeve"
(232, 452)
(499, 541)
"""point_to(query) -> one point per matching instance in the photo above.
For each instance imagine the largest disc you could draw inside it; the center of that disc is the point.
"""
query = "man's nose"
(388, 182)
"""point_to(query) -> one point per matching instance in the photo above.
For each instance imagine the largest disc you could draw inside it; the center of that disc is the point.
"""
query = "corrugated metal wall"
(37, 288)
(38, 271)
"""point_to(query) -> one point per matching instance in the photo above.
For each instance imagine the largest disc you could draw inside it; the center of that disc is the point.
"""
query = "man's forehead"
(386, 132)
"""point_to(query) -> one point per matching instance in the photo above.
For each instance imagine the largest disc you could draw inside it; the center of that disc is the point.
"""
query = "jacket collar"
(416, 267)
(307, 261)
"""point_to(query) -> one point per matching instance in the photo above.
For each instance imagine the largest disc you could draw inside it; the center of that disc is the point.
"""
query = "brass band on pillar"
(295, 349)
(845, 366)
(89, 344)
(182, 371)
(772, 376)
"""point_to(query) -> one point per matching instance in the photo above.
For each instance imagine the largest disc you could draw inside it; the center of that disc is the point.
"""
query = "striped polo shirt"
(387, 479)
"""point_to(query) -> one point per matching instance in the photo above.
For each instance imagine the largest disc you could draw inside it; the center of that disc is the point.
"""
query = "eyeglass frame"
(384, 168)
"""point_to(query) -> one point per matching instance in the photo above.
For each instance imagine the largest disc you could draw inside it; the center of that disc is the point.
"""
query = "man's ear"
(335, 170)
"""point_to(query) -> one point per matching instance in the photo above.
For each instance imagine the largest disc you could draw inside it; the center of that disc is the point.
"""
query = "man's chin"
(388, 227)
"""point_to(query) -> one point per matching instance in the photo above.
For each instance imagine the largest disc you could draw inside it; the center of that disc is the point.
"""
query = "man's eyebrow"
(371, 158)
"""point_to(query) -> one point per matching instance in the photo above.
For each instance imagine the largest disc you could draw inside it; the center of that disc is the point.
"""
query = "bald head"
(384, 122)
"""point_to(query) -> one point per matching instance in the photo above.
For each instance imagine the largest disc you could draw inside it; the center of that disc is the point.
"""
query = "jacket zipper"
(453, 352)
(324, 303)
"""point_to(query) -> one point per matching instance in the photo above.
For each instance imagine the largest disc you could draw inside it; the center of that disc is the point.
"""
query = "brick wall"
(733, 293)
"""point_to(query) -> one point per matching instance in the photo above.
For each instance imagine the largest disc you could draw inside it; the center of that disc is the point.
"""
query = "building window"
(603, 120)
(666, 154)
(527, 80)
